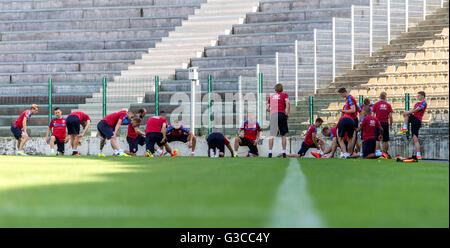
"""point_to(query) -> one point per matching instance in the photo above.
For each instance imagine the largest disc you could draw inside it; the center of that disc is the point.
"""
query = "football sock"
(270, 151)
(378, 153)
(405, 126)
(52, 150)
(236, 153)
(283, 151)
(418, 154)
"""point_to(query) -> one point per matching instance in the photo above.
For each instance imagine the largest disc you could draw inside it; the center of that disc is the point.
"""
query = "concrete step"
(57, 76)
(258, 38)
(290, 26)
(66, 66)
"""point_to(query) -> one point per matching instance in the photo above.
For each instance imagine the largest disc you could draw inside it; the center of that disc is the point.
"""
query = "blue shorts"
(105, 130)
(346, 126)
(16, 132)
(369, 147)
(134, 143)
(216, 141)
(73, 124)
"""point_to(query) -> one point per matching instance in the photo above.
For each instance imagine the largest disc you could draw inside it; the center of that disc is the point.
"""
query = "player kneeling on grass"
(216, 145)
(414, 117)
(178, 132)
(109, 127)
(249, 135)
(135, 137)
(58, 126)
(74, 121)
(332, 133)
(368, 125)
(156, 133)
(311, 141)
(19, 128)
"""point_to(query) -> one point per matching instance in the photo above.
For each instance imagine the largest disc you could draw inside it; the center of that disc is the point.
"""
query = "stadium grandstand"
(311, 47)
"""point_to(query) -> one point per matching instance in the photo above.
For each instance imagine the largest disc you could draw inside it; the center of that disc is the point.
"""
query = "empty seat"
(400, 69)
(410, 80)
(429, 90)
(390, 81)
(362, 92)
(429, 80)
(372, 81)
(399, 91)
(390, 69)
(400, 80)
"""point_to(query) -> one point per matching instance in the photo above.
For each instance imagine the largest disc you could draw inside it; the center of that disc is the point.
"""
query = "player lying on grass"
(368, 126)
(311, 141)
(156, 133)
(216, 145)
(346, 131)
(58, 128)
(74, 121)
(383, 111)
(109, 127)
(249, 135)
(414, 116)
(135, 137)
(19, 128)
(178, 132)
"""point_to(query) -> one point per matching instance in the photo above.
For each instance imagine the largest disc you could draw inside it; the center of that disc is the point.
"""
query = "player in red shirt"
(216, 145)
(279, 107)
(414, 116)
(249, 135)
(108, 128)
(178, 132)
(156, 133)
(74, 121)
(135, 137)
(383, 112)
(332, 133)
(58, 125)
(19, 128)
(369, 125)
(311, 141)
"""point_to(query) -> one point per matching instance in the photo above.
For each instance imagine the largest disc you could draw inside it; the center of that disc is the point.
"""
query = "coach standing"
(279, 107)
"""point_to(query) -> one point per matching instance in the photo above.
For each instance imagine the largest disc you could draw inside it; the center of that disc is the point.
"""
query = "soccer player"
(178, 132)
(311, 141)
(19, 128)
(74, 121)
(383, 112)
(109, 127)
(352, 109)
(58, 125)
(249, 135)
(368, 125)
(332, 133)
(366, 103)
(216, 143)
(414, 116)
(135, 137)
(279, 107)
(346, 128)
(156, 133)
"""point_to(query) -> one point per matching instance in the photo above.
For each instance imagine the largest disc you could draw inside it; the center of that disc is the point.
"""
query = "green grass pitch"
(202, 192)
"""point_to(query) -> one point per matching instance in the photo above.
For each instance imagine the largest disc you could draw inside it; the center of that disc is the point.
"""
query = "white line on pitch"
(293, 205)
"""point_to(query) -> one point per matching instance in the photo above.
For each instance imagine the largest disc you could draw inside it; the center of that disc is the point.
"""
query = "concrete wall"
(434, 146)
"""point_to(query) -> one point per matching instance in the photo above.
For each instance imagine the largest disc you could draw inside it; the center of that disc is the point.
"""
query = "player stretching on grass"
(135, 137)
(249, 135)
(74, 121)
(109, 127)
(383, 112)
(279, 107)
(346, 128)
(332, 133)
(156, 133)
(368, 125)
(58, 125)
(216, 145)
(19, 128)
(350, 108)
(178, 132)
(311, 141)
(414, 117)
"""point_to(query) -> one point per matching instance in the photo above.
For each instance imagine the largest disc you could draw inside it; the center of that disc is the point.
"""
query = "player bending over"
(19, 128)
(178, 132)
(135, 137)
(216, 145)
(352, 109)
(346, 131)
(369, 125)
(414, 116)
(156, 133)
(279, 107)
(249, 135)
(74, 121)
(383, 112)
(332, 133)
(58, 126)
(311, 141)
(109, 127)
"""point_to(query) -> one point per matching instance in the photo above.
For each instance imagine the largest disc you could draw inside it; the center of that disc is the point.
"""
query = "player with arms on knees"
(216, 145)
(249, 135)
(178, 132)
(346, 131)
(332, 133)
(383, 112)
(311, 141)
(19, 128)
(368, 125)
(74, 121)
(156, 133)
(414, 116)
(109, 127)
(135, 137)
(279, 108)
(58, 126)
(352, 109)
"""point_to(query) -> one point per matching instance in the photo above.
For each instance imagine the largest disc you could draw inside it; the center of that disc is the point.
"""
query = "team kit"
(372, 121)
